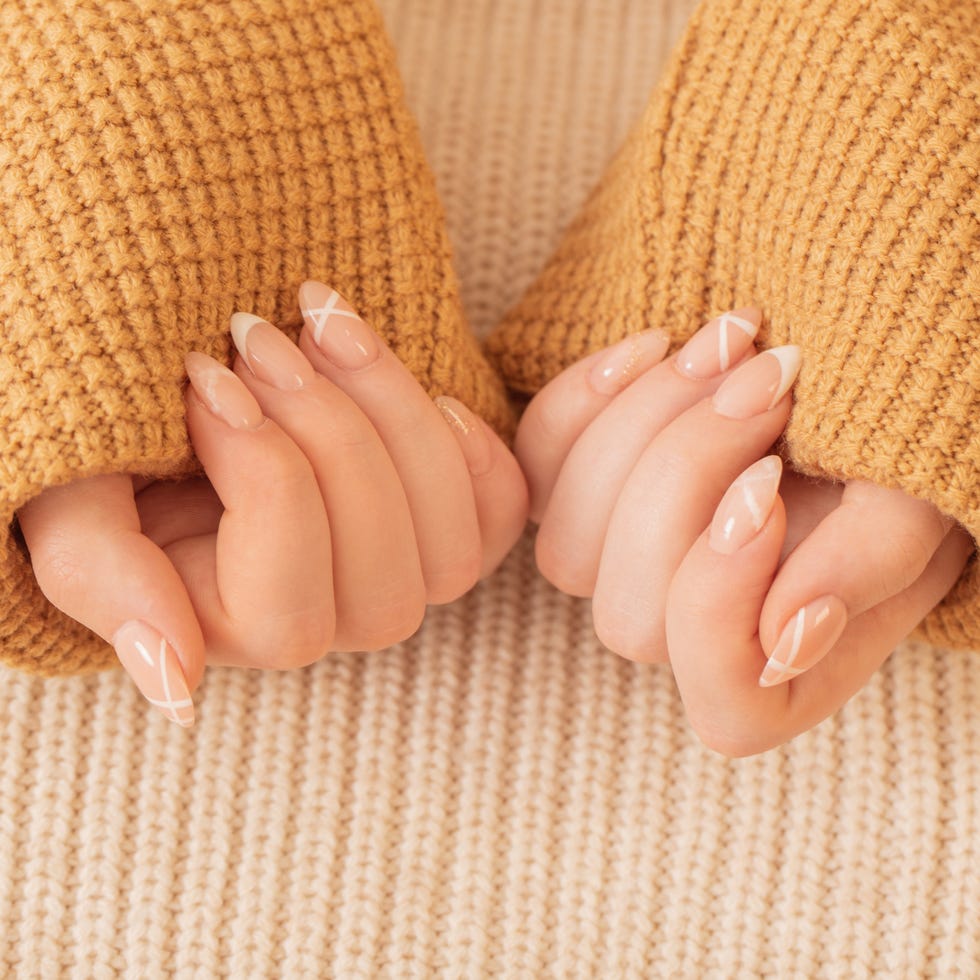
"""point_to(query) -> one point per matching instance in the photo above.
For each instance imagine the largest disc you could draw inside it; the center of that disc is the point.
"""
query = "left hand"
(628, 458)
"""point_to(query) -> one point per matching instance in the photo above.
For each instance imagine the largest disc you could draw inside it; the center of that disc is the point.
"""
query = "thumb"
(92, 562)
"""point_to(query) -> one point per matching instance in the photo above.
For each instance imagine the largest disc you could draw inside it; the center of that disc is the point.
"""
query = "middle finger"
(378, 587)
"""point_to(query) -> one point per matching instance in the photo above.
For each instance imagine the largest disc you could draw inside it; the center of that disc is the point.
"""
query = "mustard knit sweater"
(165, 162)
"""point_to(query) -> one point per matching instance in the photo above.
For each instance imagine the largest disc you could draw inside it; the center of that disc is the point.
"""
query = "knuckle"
(545, 419)
(627, 634)
(454, 575)
(907, 553)
(60, 568)
(297, 640)
(731, 742)
(562, 562)
(380, 626)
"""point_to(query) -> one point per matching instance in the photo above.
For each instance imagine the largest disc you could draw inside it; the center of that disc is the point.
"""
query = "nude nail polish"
(759, 384)
(806, 639)
(469, 433)
(343, 337)
(746, 506)
(153, 664)
(269, 353)
(624, 362)
(222, 392)
(719, 343)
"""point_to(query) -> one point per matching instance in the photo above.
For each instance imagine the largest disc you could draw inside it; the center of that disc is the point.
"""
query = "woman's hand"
(628, 458)
(338, 504)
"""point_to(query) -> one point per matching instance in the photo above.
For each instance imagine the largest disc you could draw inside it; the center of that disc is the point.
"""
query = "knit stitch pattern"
(164, 163)
(820, 159)
(498, 797)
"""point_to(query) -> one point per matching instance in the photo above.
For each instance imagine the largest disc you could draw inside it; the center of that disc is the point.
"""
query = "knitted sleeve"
(820, 159)
(164, 163)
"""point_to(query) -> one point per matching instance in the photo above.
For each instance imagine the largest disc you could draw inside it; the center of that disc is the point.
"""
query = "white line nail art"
(723, 321)
(790, 357)
(328, 310)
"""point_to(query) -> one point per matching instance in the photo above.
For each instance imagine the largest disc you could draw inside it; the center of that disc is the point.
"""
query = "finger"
(713, 610)
(341, 346)
(499, 489)
(262, 585)
(574, 526)
(92, 563)
(871, 547)
(672, 492)
(561, 411)
(377, 578)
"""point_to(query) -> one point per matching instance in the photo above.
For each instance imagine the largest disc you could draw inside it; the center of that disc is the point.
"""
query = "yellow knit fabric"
(164, 163)
(819, 158)
(498, 798)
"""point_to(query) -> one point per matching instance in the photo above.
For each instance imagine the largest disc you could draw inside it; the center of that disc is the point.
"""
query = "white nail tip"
(241, 323)
(790, 357)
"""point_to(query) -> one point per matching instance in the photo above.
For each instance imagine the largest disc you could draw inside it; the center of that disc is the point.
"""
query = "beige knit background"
(498, 797)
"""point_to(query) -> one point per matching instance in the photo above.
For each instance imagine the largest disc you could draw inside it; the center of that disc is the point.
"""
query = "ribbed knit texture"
(497, 797)
(164, 163)
(821, 159)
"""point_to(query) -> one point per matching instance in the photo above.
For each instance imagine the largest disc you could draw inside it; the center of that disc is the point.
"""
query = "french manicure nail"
(719, 343)
(759, 384)
(269, 353)
(222, 391)
(469, 433)
(746, 506)
(806, 639)
(624, 362)
(153, 664)
(343, 337)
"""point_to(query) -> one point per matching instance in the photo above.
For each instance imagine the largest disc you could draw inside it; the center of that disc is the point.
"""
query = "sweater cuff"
(819, 159)
(162, 166)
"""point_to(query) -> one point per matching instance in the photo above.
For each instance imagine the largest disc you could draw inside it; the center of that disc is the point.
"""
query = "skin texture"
(625, 486)
(352, 504)
(329, 526)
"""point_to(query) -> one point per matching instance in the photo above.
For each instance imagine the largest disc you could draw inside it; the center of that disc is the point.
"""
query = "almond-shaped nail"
(719, 343)
(270, 355)
(153, 664)
(624, 362)
(343, 337)
(469, 434)
(746, 506)
(806, 639)
(222, 391)
(759, 384)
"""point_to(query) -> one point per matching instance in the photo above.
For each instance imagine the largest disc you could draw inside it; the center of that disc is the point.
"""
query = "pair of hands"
(339, 503)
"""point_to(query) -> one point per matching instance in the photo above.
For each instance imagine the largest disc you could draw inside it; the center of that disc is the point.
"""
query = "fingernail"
(628, 359)
(269, 353)
(719, 343)
(746, 506)
(806, 639)
(758, 384)
(153, 664)
(222, 391)
(469, 434)
(343, 337)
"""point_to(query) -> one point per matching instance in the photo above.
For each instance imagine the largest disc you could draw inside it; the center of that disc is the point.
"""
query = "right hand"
(332, 513)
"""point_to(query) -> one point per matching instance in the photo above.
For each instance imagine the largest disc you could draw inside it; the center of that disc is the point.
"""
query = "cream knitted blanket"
(498, 797)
